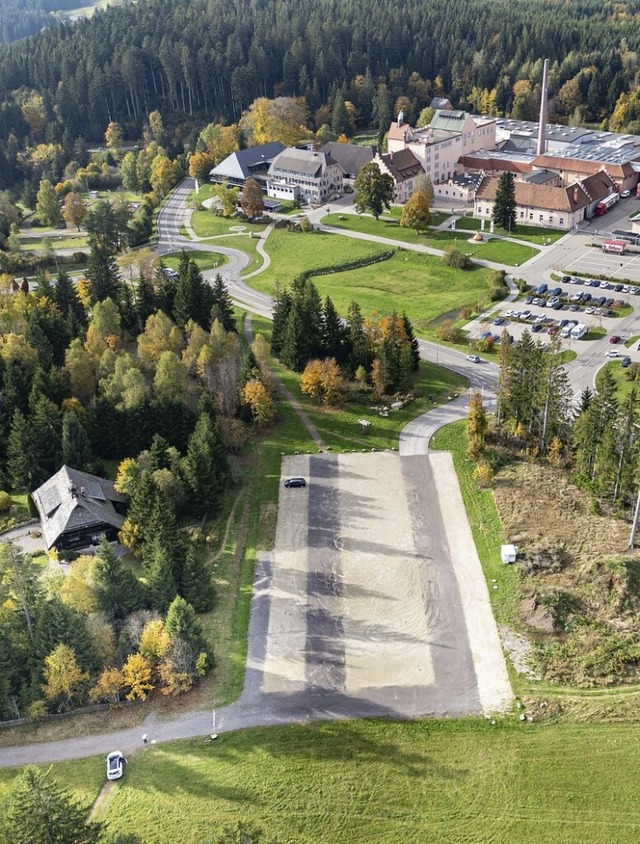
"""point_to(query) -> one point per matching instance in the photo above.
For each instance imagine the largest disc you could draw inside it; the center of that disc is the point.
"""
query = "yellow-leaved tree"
(137, 672)
(63, 676)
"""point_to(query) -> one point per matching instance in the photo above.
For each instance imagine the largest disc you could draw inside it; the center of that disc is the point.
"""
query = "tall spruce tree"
(281, 308)
(103, 275)
(333, 332)
(76, 448)
(504, 209)
(222, 308)
(159, 572)
(414, 345)
(22, 457)
(197, 585)
(118, 591)
(358, 351)
(205, 466)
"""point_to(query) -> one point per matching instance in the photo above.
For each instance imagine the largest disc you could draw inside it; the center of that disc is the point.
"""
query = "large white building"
(449, 136)
(304, 175)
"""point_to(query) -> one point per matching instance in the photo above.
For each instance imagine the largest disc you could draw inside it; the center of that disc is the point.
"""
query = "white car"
(541, 318)
(115, 765)
(612, 353)
(590, 310)
(625, 194)
(473, 358)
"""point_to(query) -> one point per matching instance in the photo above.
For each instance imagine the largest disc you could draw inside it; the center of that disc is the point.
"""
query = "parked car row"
(618, 287)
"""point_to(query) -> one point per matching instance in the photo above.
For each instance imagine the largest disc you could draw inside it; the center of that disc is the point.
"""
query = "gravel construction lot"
(376, 594)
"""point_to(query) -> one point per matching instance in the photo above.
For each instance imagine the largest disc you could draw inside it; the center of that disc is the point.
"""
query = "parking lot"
(575, 301)
(377, 597)
(595, 262)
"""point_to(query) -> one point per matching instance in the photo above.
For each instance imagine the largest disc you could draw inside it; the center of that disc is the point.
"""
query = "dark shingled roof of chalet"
(72, 500)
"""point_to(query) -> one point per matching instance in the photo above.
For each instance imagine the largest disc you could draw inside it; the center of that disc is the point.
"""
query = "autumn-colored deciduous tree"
(416, 213)
(154, 641)
(322, 380)
(108, 687)
(76, 591)
(477, 426)
(113, 137)
(219, 141)
(75, 209)
(47, 205)
(228, 197)
(252, 199)
(137, 672)
(160, 335)
(201, 164)
(63, 676)
(257, 397)
(282, 119)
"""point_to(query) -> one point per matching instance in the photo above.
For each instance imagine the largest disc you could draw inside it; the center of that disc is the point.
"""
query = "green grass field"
(419, 284)
(501, 251)
(294, 252)
(532, 234)
(364, 781)
(620, 375)
(204, 260)
(207, 224)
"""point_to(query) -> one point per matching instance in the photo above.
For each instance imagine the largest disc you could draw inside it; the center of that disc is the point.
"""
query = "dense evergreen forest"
(214, 57)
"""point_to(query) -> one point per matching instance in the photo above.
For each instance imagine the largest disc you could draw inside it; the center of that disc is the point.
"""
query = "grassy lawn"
(632, 341)
(625, 385)
(207, 224)
(204, 260)
(500, 251)
(450, 782)
(294, 252)
(532, 234)
(419, 284)
(83, 778)
(37, 244)
(18, 514)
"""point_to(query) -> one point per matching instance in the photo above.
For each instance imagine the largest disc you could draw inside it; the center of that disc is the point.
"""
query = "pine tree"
(46, 426)
(160, 581)
(22, 457)
(504, 209)
(76, 448)
(281, 308)
(205, 466)
(39, 812)
(158, 453)
(340, 123)
(103, 275)
(358, 354)
(197, 586)
(222, 309)
(333, 332)
(292, 338)
(118, 591)
(414, 345)
(182, 621)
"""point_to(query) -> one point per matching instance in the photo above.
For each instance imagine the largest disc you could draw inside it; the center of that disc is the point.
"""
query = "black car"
(566, 279)
(625, 362)
(295, 482)
(600, 301)
(499, 320)
(608, 302)
(557, 291)
(618, 287)
(537, 327)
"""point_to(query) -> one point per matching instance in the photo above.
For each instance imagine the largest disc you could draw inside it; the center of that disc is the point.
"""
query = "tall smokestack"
(542, 131)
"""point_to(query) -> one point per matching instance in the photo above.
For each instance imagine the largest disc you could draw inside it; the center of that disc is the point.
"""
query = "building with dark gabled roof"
(404, 168)
(351, 157)
(253, 162)
(77, 509)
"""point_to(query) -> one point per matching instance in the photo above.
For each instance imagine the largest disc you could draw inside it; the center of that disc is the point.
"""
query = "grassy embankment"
(381, 781)
(497, 250)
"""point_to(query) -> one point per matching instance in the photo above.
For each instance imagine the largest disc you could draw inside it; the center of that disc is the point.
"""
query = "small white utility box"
(508, 553)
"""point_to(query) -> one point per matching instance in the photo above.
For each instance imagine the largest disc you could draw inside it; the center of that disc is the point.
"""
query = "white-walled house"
(305, 176)
(450, 135)
(404, 168)
(536, 205)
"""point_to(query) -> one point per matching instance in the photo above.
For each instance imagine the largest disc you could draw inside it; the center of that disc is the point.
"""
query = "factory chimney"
(542, 131)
